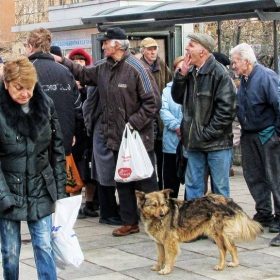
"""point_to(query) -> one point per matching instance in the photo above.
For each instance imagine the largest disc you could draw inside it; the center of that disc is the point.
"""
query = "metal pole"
(219, 37)
(275, 42)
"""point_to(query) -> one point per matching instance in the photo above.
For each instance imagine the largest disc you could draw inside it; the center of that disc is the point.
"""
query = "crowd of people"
(62, 120)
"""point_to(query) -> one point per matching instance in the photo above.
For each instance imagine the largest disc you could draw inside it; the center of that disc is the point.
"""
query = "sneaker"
(263, 219)
(89, 212)
(274, 226)
(275, 241)
(81, 215)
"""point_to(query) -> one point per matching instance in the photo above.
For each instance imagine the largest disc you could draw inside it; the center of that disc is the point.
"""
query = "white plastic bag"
(65, 242)
(133, 162)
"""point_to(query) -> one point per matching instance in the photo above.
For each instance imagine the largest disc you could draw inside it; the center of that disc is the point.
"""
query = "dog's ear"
(167, 193)
(140, 198)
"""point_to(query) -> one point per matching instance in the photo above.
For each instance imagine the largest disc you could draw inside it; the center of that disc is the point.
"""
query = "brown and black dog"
(170, 221)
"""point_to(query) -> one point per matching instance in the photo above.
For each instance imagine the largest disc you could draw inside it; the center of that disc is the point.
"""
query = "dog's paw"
(156, 267)
(232, 264)
(219, 267)
(164, 271)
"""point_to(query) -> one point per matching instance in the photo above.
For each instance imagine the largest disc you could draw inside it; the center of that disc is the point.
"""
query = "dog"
(169, 221)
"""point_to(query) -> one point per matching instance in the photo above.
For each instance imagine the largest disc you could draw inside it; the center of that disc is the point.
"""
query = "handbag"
(133, 161)
(181, 163)
(74, 182)
(66, 246)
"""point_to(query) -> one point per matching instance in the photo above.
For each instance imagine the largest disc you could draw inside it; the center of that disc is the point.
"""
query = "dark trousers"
(261, 166)
(170, 179)
(159, 161)
(127, 197)
(107, 201)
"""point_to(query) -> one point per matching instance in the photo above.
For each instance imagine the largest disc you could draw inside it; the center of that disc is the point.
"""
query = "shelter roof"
(183, 11)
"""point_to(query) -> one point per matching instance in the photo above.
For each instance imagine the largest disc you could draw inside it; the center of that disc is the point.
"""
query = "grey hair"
(244, 51)
(124, 43)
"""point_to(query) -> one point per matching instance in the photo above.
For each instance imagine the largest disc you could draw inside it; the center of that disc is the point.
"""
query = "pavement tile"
(131, 257)
(177, 273)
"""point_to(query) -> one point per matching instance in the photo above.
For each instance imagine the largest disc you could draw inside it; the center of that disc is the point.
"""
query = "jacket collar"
(26, 124)
(114, 64)
(41, 55)
(206, 67)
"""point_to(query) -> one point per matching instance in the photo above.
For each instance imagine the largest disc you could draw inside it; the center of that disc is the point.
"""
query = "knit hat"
(83, 53)
(56, 50)
(113, 33)
(148, 42)
(203, 39)
(1, 60)
(222, 58)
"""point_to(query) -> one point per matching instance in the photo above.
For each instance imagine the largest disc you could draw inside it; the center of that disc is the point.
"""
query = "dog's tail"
(242, 228)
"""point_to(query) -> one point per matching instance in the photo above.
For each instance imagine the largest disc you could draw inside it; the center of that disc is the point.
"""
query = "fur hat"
(113, 33)
(148, 42)
(83, 53)
(203, 39)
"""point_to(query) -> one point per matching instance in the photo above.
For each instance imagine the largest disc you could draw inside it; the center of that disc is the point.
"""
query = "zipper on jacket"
(194, 73)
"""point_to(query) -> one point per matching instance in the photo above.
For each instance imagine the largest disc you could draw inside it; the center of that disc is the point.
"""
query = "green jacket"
(32, 161)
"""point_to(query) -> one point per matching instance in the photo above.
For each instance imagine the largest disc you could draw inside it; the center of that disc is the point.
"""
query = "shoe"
(81, 215)
(274, 226)
(231, 172)
(275, 241)
(125, 230)
(115, 221)
(89, 212)
(263, 219)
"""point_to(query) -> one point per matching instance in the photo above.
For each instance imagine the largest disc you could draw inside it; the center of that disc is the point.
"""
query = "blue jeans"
(219, 164)
(40, 232)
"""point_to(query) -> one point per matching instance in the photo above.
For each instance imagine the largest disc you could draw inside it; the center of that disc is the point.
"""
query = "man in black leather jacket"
(207, 93)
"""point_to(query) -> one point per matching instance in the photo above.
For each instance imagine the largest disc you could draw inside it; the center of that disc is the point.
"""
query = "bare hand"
(186, 64)
(57, 58)
(178, 132)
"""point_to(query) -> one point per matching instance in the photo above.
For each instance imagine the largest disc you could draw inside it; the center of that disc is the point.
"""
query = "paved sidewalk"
(130, 257)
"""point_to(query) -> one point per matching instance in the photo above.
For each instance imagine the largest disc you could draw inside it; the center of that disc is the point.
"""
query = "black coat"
(59, 84)
(208, 100)
(29, 183)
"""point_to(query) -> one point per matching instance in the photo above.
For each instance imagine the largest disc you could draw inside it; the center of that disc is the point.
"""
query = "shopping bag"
(133, 161)
(74, 182)
(65, 242)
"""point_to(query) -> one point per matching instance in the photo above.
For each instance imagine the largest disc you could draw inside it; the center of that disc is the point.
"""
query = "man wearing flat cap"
(207, 93)
(162, 75)
(128, 94)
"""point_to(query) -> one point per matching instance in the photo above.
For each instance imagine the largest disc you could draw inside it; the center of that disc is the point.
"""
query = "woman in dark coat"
(32, 170)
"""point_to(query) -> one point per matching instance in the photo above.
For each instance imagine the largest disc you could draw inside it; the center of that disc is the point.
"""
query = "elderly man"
(259, 116)
(162, 75)
(128, 94)
(207, 94)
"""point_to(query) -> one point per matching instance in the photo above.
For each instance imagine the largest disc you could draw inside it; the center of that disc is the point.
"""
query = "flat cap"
(148, 42)
(203, 39)
(113, 33)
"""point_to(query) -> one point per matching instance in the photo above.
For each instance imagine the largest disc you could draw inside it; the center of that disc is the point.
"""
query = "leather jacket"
(208, 98)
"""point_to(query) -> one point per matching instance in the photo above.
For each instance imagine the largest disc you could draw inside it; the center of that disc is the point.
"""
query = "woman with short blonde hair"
(32, 170)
